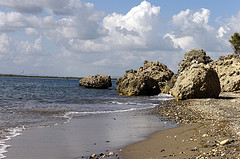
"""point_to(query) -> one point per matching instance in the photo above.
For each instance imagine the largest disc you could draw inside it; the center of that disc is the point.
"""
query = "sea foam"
(9, 134)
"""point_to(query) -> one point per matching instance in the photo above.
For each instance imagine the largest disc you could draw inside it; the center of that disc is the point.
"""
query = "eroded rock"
(199, 81)
(192, 57)
(147, 80)
(97, 81)
(228, 69)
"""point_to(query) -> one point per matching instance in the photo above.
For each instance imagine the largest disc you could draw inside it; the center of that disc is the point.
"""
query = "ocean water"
(35, 102)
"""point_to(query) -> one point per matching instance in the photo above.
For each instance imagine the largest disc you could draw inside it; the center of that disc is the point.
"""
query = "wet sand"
(83, 136)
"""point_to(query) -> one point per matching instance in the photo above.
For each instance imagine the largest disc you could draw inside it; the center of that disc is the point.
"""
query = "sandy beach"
(209, 129)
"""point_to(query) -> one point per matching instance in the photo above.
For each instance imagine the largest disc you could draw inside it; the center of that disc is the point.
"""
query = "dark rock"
(98, 81)
(149, 79)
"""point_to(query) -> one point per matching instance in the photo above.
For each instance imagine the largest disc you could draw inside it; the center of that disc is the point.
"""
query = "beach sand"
(209, 129)
(178, 142)
(84, 136)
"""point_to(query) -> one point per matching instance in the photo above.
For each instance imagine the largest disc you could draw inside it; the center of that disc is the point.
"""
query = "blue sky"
(88, 37)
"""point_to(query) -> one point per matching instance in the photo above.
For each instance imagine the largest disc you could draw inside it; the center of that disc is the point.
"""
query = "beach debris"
(205, 135)
(120, 150)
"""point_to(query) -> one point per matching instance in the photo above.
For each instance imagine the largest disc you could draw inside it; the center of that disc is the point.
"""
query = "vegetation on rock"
(235, 41)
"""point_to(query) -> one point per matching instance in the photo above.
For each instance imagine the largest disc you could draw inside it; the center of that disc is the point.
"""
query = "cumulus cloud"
(135, 30)
(34, 6)
(19, 51)
(70, 34)
(229, 26)
(31, 31)
(193, 31)
(5, 44)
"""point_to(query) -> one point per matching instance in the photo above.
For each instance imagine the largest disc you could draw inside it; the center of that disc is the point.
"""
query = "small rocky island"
(97, 81)
(198, 76)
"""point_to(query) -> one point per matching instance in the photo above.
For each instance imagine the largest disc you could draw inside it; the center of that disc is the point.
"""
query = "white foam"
(163, 97)
(130, 103)
(69, 115)
(10, 133)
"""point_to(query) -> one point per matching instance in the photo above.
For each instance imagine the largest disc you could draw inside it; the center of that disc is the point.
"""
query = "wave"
(163, 97)
(8, 135)
(71, 114)
(130, 103)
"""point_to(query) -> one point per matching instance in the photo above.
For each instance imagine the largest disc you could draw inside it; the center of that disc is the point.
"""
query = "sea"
(41, 102)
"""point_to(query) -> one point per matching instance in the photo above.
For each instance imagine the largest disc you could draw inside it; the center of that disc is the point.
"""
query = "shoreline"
(209, 128)
(84, 136)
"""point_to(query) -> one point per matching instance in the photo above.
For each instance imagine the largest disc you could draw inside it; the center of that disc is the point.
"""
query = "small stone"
(226, 141)
(93, 155)
(205, 135)
(103, 156)
(111, 153)
(120, 150)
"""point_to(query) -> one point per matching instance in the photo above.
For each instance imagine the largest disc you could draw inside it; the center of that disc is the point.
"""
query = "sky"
(88, 37)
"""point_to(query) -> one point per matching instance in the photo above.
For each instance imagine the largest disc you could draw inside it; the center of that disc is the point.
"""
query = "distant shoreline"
(46, 77)
(25, 76)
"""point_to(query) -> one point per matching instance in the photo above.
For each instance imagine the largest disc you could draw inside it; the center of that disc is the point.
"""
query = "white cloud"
(193, 31)
(69, 36)
(31, 31)
(5, 44)
(26, 47)
(136, 30)
(132, 30)
(229, 27)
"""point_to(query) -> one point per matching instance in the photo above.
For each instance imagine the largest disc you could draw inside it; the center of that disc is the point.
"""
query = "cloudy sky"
(88, 37)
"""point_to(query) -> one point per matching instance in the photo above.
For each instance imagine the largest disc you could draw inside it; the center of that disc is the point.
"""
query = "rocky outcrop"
(98, 81)
(228, 69)
(199, 81)
(192, 57)
(147, 80)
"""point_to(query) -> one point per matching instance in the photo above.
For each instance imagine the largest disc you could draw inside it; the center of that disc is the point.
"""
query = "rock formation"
(199, 81)
(228, 69)
(192, 57)
(147, 80)
(98, 81)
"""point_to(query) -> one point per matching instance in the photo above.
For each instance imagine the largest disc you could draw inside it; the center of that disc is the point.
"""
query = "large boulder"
(97, 81)
(228, 69)
(199, 81)
(147, 80)
(191, 57)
